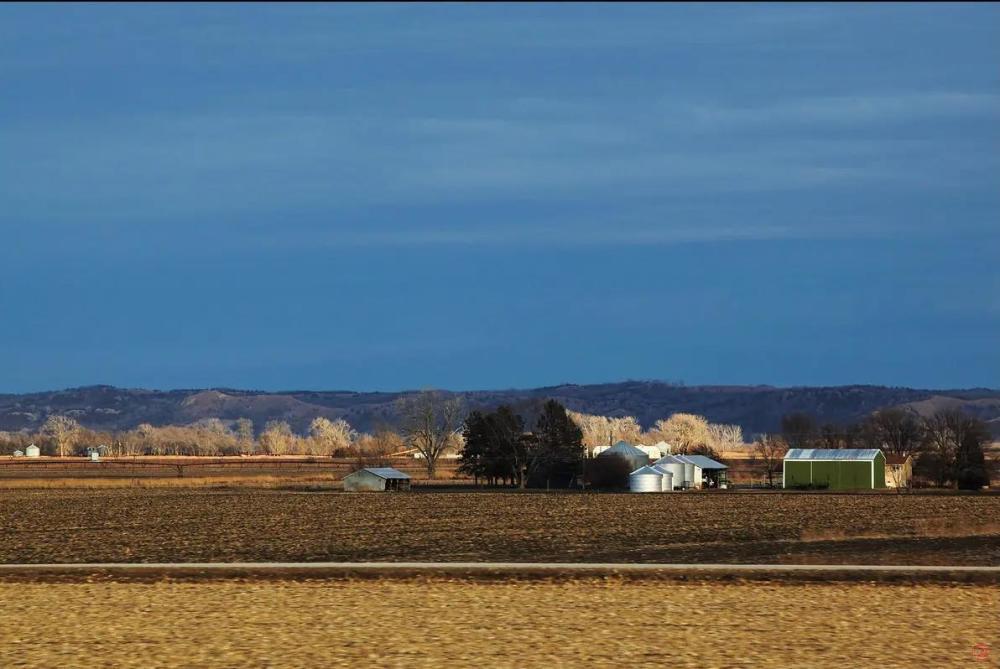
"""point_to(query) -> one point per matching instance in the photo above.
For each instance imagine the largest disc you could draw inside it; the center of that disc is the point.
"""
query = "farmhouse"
(898, 471)
(834, 468)
(376, 479)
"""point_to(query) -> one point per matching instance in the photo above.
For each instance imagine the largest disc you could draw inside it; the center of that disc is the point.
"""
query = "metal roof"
(832, 454)
(645, 471)
(386, 472)
(704, 462)
(626, 449)
(670, 460)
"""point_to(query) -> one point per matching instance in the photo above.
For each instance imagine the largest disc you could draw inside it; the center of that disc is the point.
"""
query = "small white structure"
(18, 454)
(95, 456)
(664, 448)
(645, 479)
(449, 454)
(32, 451)
(652, 451)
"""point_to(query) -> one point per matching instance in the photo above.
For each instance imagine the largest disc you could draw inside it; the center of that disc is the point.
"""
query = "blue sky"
(402, 196)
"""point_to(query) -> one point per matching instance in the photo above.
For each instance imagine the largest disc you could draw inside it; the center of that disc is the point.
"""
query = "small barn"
(376, 479)
(634, 456)
(834, 468)
(898, 471)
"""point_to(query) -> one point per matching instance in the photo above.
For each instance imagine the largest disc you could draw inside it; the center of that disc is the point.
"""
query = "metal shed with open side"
(376, 479)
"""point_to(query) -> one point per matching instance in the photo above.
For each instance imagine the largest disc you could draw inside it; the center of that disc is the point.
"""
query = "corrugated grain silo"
(675, 466)
(645, 479)
(668, 478)
(635, 457)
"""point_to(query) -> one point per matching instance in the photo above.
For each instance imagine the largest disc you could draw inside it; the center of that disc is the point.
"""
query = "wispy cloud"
(853, 110)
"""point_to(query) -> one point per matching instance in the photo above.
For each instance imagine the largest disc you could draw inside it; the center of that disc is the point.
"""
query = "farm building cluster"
(802, 468)
(666, 473)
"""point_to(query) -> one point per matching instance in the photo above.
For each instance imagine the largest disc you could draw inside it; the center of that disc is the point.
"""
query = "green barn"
(834, 468)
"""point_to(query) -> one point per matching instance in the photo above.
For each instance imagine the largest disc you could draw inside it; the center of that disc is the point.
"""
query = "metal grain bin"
(623, 449)
(32, 451)
(675, 466)
(690, 477)
(668, 478)
(645, 479)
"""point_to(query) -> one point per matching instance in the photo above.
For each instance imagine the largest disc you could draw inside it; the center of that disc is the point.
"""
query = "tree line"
(64, 436)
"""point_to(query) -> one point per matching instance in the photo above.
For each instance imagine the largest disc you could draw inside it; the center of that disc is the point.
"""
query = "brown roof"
(896, 459)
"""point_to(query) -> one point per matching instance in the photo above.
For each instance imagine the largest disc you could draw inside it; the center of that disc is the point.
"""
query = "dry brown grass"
(453, 623)
(263, 481)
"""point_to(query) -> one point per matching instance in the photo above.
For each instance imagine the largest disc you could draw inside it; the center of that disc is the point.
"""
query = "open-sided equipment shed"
(377, 479)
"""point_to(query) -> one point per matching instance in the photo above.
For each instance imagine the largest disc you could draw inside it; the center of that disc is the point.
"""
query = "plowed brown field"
(191, 525)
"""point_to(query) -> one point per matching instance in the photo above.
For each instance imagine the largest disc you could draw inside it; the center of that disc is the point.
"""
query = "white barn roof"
(864, 454)
(704, 462)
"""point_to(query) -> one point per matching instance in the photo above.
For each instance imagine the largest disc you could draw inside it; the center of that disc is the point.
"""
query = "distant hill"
(755, 408)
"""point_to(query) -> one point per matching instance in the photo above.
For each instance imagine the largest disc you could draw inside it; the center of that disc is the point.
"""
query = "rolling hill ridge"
(755, 408)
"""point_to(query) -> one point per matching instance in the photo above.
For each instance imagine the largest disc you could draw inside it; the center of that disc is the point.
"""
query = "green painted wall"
(836, 474)
(880, 470)
(797, 473)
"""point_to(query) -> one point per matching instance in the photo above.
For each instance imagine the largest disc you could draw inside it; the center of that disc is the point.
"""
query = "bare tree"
(277, 438)
(61, 430)
(428, 421)
(770, 451)
(685, 432)
(328, 436)
(606, 430)
(953, 448)
(725, 437)
(244, 435)
(895, 431)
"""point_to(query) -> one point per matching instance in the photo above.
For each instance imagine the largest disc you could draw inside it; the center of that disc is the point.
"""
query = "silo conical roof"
(626, 449)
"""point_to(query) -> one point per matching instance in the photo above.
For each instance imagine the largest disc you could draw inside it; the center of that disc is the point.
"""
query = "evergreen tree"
(558, 446)
(493, 444)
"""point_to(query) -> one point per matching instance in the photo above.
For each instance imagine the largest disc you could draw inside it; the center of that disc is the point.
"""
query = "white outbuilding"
(32, 451)
(692, 471)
